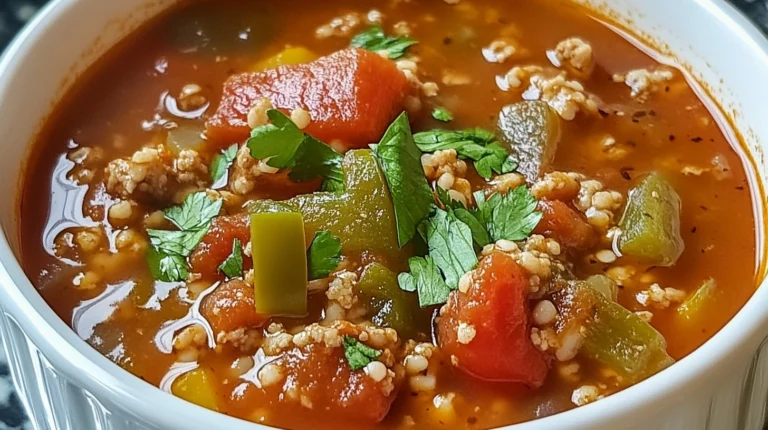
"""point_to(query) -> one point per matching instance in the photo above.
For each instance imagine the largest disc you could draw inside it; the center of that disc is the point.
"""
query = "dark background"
(13, 15)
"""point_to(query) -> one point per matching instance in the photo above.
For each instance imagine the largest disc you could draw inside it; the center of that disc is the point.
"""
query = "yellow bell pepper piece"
(288, 56)
(279, 252)
(196, 387)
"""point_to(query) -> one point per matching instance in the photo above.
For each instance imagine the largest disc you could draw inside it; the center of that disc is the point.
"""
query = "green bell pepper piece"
(692, 308)
(279, 264)
(612, 335)
(650, 226)
(532, 130)
(390, 306)
(362, 215)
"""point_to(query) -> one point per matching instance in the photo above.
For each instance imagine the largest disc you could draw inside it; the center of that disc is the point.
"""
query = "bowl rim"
(78, 361)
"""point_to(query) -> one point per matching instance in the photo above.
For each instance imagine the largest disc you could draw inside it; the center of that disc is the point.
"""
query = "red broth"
(90, 262)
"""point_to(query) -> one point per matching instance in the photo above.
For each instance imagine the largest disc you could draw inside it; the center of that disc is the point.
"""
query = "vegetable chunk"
(197, 387)
(279, 264)
(230, 307)
(362, 215)
(532, 130)
(217, 244)
(651, 223)
(611, 334)
(488, 328)
(351, 95)
(322, 377)
(565, 225)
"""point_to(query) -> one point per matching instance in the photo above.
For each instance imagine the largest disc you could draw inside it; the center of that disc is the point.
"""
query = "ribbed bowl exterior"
(55, 401)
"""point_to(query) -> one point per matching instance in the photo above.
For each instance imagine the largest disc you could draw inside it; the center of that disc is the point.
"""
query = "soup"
(388, 214)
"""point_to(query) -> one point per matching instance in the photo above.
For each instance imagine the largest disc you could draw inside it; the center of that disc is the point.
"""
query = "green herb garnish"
(474, 144)
(358, 355)
(426, 280)
(197, 210)
(442, 114)
(167, 267)
(478, 229)
(374, 39)
(511, 216)
(220, 165)
(400, 160)
(167, 256)
(284, 145)
(450, 245)
(232, 266)
(323, 255)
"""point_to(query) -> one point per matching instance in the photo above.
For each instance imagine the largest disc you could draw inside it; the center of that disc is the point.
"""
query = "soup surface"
(549, 215)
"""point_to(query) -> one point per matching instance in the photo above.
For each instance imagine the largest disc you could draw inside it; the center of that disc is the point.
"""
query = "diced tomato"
(217, 244)
(323, 377)
(351, 95)
(565, 225)
(230, 307)
(496, 309)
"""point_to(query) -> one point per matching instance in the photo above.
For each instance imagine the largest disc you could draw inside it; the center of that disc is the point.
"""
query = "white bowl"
(65, 384)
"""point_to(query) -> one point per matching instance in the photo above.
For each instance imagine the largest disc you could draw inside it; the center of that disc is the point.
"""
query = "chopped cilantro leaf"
(479, 232)
(512, 216)
(358, 354)
(400, 160)
(442, 114)
(374, 39)
(426, 280)
(286, 146)
(233, 265)
(323, 255)
(474, 144)
(197, 210)
(436, 140)
(277, 142)
(220, 166)
(450, 245)
(167, 267)
(316, 159)
(167, 255)
(177, 242)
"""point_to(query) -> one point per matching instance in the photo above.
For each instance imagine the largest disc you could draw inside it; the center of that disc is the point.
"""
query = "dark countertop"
(13, 15)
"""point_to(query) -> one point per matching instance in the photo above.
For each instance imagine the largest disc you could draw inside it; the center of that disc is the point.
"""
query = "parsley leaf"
(167, 255)
(400, 160)
(374, 39)
(479, 232)
(436, 140)
(277, 141)
(286, 146)
(426, 280)
(233, 265)
(323, 255)
(358, 354)
(177, 242)
(474, 144)
(450, 245)
(512, 216)
(220, 166)
(316, 159)
(167, 267)
(442, 114)
(196, 211)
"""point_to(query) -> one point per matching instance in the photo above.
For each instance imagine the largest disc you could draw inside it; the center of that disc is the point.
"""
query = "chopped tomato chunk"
(230, 307)
(351, 95)
(217, 244)
(487, 329)
(323, 378)
(565, 225)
